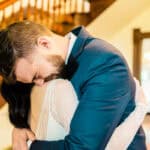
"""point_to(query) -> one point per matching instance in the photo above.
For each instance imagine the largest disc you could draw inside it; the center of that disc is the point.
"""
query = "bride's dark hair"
(18, 97)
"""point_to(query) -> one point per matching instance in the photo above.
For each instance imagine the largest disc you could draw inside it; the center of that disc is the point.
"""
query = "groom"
(30, 53)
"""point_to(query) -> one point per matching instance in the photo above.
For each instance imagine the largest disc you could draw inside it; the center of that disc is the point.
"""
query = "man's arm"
(131, 124)
(105, 97)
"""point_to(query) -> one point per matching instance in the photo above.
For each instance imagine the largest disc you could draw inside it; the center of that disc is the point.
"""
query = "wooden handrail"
(6, 3)
(69, 13)
(52, 15)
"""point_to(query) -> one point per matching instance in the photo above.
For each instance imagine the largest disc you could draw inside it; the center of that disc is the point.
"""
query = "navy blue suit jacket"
(105, 89)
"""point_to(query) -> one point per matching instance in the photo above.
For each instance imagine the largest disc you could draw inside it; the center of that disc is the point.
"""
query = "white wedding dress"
(53, 106)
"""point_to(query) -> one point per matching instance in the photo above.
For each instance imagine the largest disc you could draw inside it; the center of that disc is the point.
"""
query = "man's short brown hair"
(16, 41)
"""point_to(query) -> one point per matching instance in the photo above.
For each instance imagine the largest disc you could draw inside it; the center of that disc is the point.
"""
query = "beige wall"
(116, 24)
(124, 39)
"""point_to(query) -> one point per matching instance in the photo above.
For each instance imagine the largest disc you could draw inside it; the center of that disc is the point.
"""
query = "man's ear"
(44, 41)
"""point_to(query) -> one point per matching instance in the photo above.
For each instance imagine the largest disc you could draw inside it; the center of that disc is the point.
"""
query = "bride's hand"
(139, 94)
(20, 137)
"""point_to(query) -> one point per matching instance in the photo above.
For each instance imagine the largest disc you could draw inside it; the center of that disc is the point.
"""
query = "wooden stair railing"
(7, 3)
(51, 13)
(59, 15)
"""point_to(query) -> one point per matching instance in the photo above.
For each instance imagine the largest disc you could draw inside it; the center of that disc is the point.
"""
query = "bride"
(53, 106)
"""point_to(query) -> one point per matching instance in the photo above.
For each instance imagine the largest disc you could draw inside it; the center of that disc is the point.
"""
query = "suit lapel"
(82, 37)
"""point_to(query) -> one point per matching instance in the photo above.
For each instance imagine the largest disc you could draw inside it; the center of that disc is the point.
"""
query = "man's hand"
(20, 138)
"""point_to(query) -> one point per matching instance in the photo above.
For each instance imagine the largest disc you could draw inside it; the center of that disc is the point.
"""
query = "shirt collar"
(72, 38)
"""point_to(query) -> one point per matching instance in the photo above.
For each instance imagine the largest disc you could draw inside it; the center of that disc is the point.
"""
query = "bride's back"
(52, 109)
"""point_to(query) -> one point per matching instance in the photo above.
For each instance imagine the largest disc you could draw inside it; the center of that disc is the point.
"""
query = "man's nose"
(39, 82)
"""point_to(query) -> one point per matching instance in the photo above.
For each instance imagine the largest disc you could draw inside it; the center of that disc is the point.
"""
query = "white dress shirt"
(72, 40)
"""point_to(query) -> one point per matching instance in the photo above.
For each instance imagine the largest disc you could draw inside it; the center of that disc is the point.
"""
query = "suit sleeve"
(106, 93)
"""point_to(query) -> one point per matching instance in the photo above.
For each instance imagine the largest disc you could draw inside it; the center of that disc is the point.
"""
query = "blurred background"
(124, 23)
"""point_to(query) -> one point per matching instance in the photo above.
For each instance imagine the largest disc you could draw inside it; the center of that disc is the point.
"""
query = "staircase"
(58, 15)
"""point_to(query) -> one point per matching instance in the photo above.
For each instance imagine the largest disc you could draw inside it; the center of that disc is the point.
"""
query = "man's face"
(44, 62)
(39, 69)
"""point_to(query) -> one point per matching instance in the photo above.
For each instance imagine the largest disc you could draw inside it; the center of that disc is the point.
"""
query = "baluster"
(14, 14)
(13, 19)
(28, 10)
(59, 11)
(87, 6)
(54, 11)
(69, 10)
(44, 11)
(55, 25)
(5, 22)
(83, 6)
(76, 11)
(70, 6)
(70, 18)
(16, 9)
(76, 6)
(32, 10)
(24, 9)
(3, 18)
(48, 14)
(80, 4)
(36, 11)
(41, 11)
(21, 11)
(65, 12)
(59, 27)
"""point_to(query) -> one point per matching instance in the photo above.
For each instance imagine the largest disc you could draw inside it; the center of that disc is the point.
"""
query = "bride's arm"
(125, 132)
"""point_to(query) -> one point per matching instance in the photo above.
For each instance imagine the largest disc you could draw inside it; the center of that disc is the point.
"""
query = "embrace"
(72, 92)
